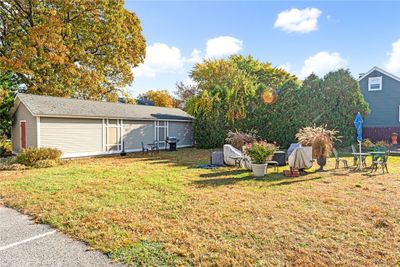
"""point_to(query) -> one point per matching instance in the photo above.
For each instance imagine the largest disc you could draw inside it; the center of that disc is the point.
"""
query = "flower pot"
(321, 162)
(258, 169)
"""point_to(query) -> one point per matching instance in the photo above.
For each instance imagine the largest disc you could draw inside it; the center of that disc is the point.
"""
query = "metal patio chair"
(382, 161)
(338, 160)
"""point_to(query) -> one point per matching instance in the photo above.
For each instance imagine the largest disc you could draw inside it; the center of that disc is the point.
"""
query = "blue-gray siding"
(183, 131)
(384, 104)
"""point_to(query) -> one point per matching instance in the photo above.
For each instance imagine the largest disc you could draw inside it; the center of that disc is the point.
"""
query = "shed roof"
(50, 106)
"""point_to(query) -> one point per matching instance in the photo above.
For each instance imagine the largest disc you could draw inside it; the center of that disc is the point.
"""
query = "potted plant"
(259, 152)
(321, 140)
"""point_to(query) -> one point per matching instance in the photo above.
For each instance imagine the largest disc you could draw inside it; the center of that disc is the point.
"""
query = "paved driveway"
(24, 243)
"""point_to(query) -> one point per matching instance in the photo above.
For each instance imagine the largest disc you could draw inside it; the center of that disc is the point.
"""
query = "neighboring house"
(382, 92)
(87, 128)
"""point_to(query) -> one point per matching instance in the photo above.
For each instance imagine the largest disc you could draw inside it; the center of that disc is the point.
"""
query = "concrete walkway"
(24, 243)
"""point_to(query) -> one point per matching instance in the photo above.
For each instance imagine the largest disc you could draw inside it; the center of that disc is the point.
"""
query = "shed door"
(23, 134)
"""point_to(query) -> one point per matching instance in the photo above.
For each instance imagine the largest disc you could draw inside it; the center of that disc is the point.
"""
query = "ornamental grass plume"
(239, 139)
(320, 138)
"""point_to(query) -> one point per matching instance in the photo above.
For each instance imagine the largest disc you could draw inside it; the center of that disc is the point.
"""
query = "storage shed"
(87, 128)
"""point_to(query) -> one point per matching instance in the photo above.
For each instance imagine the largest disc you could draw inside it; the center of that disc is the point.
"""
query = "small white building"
(87, 128)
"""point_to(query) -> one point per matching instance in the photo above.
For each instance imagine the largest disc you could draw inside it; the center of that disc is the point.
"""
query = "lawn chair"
(355, 158)
(381, 149)
(145, 149)
(338, 160)
(273, 163)
(382, 161)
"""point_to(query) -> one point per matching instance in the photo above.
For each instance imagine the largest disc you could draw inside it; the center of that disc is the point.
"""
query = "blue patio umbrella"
(358, 121)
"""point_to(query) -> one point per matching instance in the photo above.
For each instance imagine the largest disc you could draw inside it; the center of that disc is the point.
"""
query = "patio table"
(377, 153)
(362, 154)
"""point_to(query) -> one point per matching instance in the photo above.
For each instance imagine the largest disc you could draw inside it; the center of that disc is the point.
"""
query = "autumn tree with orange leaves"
(71, 48)
(160, 98)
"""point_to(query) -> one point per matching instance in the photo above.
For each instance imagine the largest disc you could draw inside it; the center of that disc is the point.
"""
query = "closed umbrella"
(358, 121)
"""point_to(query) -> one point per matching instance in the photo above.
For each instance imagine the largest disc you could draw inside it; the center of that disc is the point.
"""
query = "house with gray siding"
(87, 128)
(381, 90)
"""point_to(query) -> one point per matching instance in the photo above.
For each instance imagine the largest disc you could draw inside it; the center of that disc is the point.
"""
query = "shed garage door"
(183, 131)
(72, 135)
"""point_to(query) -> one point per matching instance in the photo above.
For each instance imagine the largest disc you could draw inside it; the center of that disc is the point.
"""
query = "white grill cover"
(301, 158)
(230, 151)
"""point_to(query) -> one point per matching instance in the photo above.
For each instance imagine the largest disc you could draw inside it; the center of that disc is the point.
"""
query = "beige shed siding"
(135, 132)
(72, 135)
(183, 131)
(21, 114)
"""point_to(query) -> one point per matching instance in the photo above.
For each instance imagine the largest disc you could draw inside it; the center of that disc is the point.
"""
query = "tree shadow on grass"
(224, 173)
(339, 172)
(269, 178)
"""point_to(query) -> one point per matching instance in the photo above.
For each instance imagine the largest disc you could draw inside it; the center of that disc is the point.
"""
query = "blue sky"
(302, 37)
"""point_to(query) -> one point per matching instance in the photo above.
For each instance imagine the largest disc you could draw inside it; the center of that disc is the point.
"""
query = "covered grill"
(172, 141)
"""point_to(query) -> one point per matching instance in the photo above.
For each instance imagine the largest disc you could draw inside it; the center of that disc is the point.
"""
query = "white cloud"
(189, 81)
(195, 57)
(160, 58)
(286, 67)
(223, 46)
(298, 20)
(393, 65)
(322, 63)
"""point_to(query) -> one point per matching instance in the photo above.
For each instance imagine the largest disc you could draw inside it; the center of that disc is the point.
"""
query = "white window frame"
(157, 127)
(119, 127)
(374, 78)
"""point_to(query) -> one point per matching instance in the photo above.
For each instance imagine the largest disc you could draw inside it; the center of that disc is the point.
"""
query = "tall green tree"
(342, 99)
(67, 48)
(230, 91)
(9, 86)
(245, 94)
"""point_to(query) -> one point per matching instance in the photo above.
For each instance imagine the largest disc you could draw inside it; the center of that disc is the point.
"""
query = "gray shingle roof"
(68, 107)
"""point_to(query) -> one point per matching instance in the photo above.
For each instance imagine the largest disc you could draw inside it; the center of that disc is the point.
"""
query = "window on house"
(375, 84)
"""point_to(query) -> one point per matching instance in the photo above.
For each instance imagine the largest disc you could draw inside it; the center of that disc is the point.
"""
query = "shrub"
(382, 144)
(8, 164)
(32, 156)
(239, 139)
(367, 144)
(45, 163)
(12, 167)
(259, 151)
(5, 148)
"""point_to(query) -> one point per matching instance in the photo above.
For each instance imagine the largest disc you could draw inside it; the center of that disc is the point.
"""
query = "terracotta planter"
(258, 169)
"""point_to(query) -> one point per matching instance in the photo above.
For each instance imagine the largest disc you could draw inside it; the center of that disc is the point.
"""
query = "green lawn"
(162, 210)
